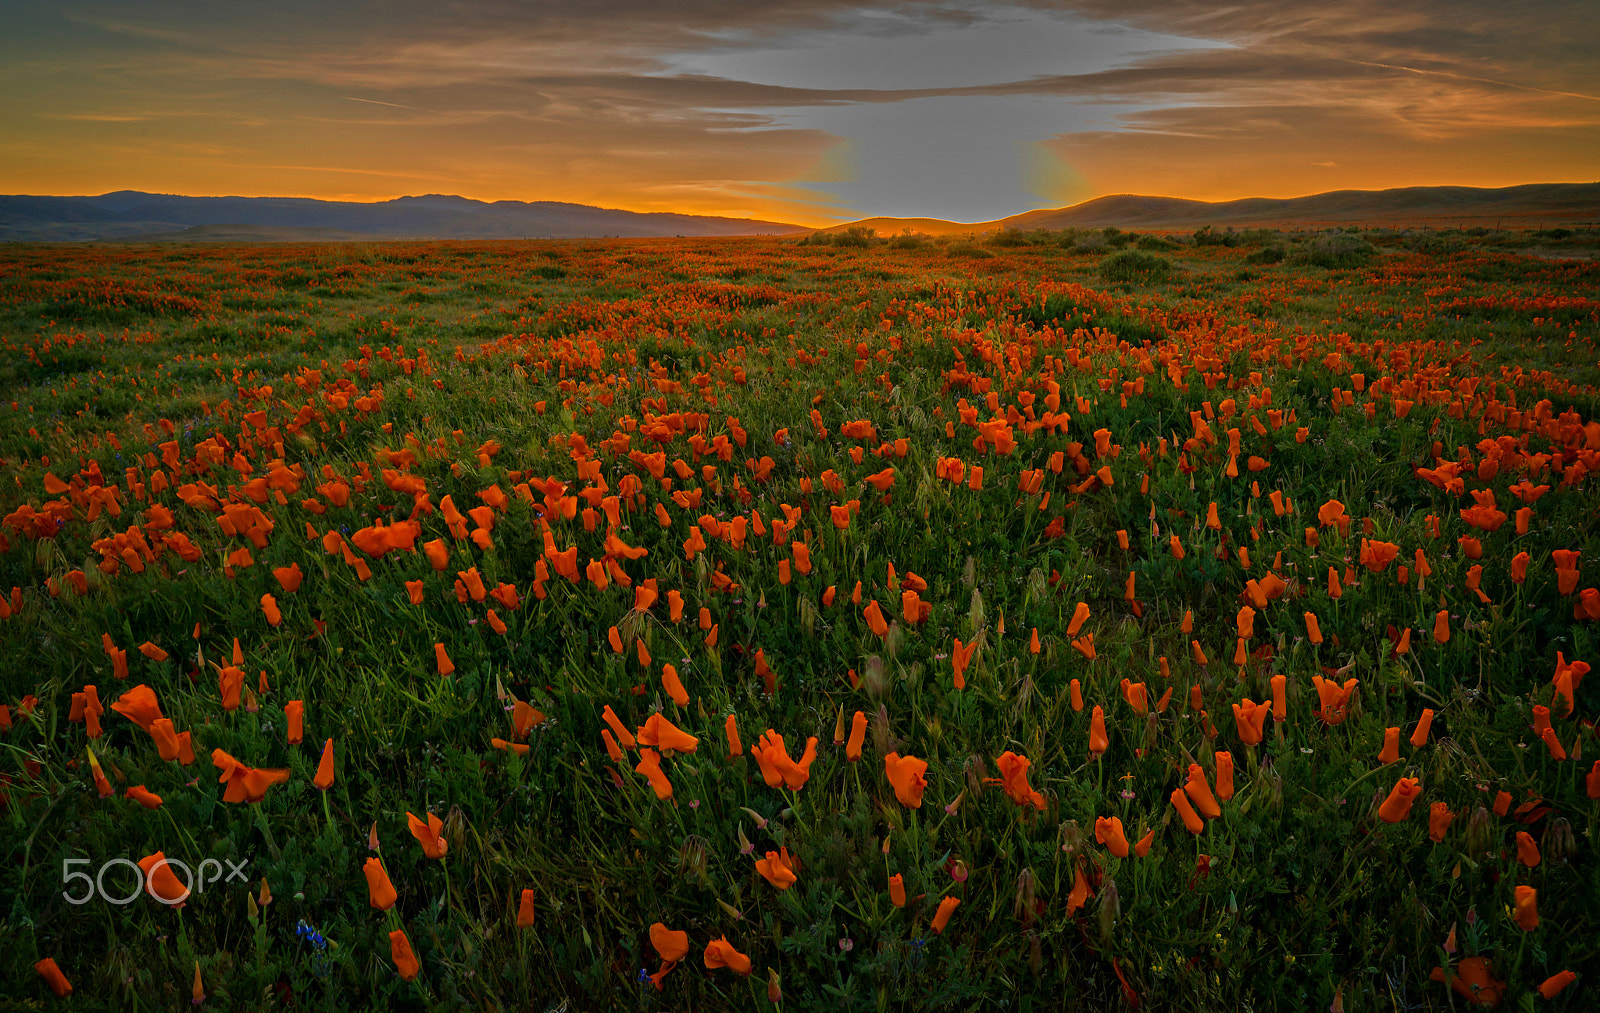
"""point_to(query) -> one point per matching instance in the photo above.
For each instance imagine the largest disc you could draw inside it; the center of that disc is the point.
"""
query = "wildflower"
(1108, 831)
(1014, 776)
(148, 799)
(1552, 986)
(1419, 736)
(906, 775)
(1439, 819)
(427, 834)
(897, 890)
(1098, 742)
(380, 891)
(1398, 805)
(720, 953)
(1527, 908)
(53, 978)
(941, 917)
(405, 961)
(1198, 790)
(778, 869)
(858, 735)
(324, 779)
(1224, 775)
(160, 881)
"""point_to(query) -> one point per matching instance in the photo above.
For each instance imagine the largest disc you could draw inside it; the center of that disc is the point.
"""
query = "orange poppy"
(139, 706)
(1390, 753)
(1439, 819)
(778, 869)
(289, 577)
(941, 917)
(720, 953)
(658, 731)
(1098, 742)
(380, 891)
(670, 945)
(1527, 849)
(623, 735)
(1424, 724)
(427, 834)
(1473, 982)
(1552, 986)
(324, 778)
(405, 961)
(1250, 719)
(269, 608)
(858, 735)
(1191, 819)
(1280, 697)
(1527, 908)
(650, 766)
(897, 890)
(161, 882)
(1198, 790)
(442, 660)
(1335, 699)
(53, 978)
(525, 911)
(1224, 775)
(148, 799)
(1441, 626)
(960, 658)
(295, 712)
(905, 773)
(1398, 805)
(673, 686)
(1109, 833)
(874, 616)
(1014, 778)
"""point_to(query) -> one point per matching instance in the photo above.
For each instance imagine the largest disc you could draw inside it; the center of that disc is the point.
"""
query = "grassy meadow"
(1033, 621)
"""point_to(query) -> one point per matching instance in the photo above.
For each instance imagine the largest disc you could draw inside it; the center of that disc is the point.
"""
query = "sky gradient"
(806, 112)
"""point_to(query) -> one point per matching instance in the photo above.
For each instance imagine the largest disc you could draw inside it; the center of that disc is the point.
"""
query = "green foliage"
(1135, 266)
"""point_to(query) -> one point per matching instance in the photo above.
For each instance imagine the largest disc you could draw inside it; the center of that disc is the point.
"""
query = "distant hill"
(1534, 204)
(132, 215)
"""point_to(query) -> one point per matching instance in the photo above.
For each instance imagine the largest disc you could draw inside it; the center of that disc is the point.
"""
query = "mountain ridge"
(134, 215)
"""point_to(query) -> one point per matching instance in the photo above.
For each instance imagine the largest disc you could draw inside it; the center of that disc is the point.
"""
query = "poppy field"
(1079, 621)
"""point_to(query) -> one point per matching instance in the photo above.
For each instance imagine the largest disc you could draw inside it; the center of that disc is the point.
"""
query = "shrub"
(1135, 265)
(1209, 236)
(1336, 250)
(1266, 255)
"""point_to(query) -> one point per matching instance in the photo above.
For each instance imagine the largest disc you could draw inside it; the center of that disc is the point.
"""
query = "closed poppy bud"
(269, 608)
(776, 869)
(1391, 746)
(1199, 655)
(1280, 697)
(1441, 627)
(1224, 775)
(53, 978)
(1527, 908)
(405, 961)
(612, 749)
(1553, 985)
(380, 891)
(155, 653)
(442, 660)
(525, 911)
(1191, 819)
(731, 728)
(324, 779)
(1420, 735)
(674, 687)
(874, 617)
(623, 735)
(941, 917)
(1519, 567)
(1398, 805)
(1592, 781)
(897, 890)
(1246, 621)
(1527, 849)
(1098, 742)
(1313, 628)
(858, 735)
(774, 988)
(1439, 818)
(1143, 847)
(1198, 790)
(145, 798)
(1077, 696)
(294, 712)
(1080, 615)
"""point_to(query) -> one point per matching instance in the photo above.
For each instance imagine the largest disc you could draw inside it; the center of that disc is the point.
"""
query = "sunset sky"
(802, 111)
